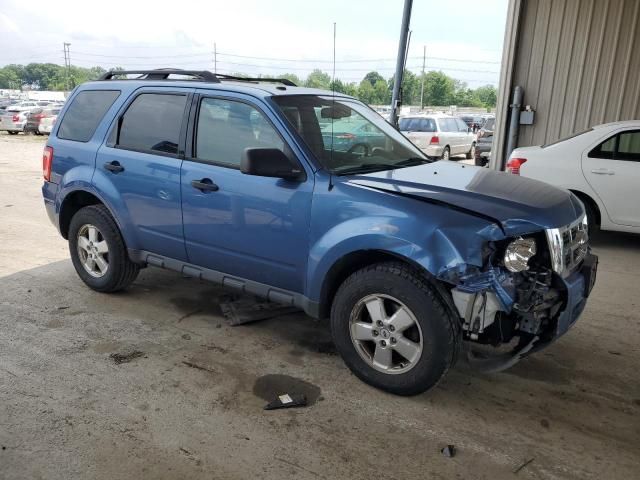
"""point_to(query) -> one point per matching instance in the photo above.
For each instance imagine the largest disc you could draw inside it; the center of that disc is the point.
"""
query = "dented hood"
(517, 204)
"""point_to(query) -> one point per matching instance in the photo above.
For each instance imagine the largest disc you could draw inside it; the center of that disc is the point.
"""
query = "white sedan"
(601, 166)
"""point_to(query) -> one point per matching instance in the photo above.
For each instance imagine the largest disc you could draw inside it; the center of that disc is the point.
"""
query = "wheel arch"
(359, 259)
(587, 199)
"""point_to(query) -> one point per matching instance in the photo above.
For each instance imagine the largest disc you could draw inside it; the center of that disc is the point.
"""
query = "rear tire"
(11, 133)
(93, 233)
(472, 152)
(407, 359)
(446, 154)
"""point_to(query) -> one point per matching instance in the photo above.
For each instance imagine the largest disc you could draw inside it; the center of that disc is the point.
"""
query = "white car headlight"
(518, 254)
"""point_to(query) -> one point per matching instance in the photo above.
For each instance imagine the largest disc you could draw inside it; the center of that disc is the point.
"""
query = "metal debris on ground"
(524, 464)
(119, 358)
(247, 309)
(449, 451)
(199, 367)
(287, 400)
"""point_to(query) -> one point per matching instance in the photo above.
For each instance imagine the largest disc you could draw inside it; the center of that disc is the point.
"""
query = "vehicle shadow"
(615, 240)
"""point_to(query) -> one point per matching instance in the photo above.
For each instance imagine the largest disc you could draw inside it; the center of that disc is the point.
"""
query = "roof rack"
(284, 81)
(199, 75)
(162, 74)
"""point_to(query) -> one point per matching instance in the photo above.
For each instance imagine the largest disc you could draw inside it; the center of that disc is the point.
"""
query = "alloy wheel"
(386, 334)
(93, 251)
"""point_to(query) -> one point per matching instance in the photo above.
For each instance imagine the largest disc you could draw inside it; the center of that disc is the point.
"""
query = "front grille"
(568, 246)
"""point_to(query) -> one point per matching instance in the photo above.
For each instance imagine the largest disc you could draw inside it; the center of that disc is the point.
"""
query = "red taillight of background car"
(514, 164)
(15, 118)
(47, 160)
(346, 136)
(435, 140)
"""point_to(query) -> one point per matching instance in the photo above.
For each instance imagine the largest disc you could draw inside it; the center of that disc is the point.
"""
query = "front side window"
(226, 128)
(346, 136)
(152, 123)
(85, 113)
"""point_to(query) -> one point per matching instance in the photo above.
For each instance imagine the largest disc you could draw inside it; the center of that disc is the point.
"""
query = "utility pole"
(424, 60)
(67, 63)
(396, 99)
(215, 58)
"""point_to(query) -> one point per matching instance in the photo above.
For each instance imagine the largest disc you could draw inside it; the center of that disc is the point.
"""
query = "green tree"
(293, 77)
(366, 93)
(373, 78)
(439, 89)
(410, 88)
(487, 95)
(382, 93)
(318, 79)
(11, 76)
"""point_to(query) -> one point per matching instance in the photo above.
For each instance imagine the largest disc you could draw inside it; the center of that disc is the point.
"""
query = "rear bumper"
(12, 127)
(49, 190)
(433, 150)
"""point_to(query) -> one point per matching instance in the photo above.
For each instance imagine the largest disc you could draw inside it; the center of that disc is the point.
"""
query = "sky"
(463, 38)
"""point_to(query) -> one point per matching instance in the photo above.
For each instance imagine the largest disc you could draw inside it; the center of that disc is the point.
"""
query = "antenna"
(333, 101)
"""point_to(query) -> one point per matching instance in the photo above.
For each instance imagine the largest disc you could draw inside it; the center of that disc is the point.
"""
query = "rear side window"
(623, 146)
(152, 123)
(85, 113)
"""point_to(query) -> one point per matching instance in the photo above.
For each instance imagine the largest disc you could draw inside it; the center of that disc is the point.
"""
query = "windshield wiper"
(367, 167)
(412, 161)
(372, 167)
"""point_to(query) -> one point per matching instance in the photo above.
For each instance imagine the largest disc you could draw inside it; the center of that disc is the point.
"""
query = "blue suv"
(275, 190)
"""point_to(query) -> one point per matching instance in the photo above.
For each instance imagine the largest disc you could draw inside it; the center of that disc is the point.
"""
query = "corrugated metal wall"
(579, 64)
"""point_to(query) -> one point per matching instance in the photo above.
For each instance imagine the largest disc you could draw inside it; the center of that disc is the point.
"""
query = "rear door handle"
(204, 185)
(603, 171)
(114, 167)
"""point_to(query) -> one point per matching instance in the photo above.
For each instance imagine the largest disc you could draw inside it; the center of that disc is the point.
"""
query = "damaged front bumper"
(526, 311)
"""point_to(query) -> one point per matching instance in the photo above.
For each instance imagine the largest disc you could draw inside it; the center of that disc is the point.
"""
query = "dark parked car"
(231, 180)
(35, 118)
(484, 142)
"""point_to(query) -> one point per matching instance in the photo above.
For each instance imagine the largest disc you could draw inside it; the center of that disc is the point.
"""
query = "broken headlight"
(518, 254)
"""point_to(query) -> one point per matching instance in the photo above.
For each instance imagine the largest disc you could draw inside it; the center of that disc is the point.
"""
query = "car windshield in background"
(488, 124)
(417, 124)
(346, 136)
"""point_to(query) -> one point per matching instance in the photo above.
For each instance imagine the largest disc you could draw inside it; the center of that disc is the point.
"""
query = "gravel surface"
(152, 383)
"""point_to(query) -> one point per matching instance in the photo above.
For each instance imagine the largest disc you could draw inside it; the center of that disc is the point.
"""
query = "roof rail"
(201, 75)
(284, 81)
(162, 74)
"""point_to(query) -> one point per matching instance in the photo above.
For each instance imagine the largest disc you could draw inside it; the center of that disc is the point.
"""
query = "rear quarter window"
(85, 113)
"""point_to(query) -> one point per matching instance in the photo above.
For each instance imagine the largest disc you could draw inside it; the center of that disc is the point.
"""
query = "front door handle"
(114, 167)
(603, 171)
(204, 185)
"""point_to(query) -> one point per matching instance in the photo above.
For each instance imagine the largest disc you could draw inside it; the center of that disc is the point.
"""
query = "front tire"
(393, 329)
(98, 251)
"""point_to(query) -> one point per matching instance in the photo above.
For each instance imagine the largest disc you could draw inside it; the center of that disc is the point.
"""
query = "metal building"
(578, 62)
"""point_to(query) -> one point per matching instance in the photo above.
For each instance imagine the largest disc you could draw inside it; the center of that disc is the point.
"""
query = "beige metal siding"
(579, 64)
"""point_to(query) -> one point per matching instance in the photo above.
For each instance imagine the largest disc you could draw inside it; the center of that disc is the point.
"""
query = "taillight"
(348, 136)
(513, 165)
(15, 118)
(435, 140)
(47, 160)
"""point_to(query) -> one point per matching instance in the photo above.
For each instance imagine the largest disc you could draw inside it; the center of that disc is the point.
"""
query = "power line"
(303, 60)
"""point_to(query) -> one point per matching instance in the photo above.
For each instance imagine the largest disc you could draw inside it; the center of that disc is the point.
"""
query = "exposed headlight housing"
(518, 254)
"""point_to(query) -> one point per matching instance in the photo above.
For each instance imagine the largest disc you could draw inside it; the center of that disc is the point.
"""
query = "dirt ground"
(190, 405)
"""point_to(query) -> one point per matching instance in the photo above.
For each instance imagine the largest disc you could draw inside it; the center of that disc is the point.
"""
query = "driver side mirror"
(269, 162)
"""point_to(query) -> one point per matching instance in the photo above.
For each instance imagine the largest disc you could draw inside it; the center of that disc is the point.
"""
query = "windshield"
(347, 136)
